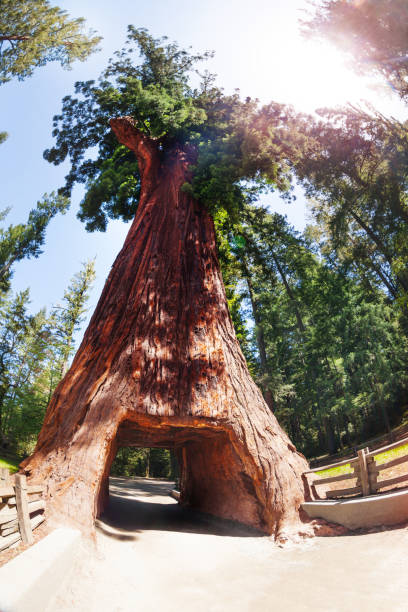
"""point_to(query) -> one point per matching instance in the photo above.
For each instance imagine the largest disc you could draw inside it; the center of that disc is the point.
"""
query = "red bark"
(160, 365)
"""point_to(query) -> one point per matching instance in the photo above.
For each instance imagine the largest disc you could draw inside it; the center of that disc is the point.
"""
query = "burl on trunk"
(160, 365)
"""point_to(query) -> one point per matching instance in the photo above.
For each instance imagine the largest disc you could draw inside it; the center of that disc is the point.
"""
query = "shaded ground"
(153, 555)
(144, 504)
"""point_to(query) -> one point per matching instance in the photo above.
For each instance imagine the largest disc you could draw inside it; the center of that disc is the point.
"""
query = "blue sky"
(258, 49)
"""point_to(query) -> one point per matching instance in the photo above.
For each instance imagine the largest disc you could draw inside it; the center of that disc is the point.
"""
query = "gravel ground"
(152, 555)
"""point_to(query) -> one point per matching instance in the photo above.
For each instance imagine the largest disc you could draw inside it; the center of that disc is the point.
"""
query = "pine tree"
(321, 329)
(35, 350)
(35, 33)
(24, 342)
(22, 241)
(69, 316)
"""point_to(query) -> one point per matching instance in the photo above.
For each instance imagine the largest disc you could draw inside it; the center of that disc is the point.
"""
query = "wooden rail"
(332, 465)
(21, 509)
(398, 433)
(365, 471)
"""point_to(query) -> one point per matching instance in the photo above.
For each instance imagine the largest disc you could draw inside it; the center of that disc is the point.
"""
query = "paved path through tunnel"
(153, 555)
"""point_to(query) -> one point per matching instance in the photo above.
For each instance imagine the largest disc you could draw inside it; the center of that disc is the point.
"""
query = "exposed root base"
(324, 529)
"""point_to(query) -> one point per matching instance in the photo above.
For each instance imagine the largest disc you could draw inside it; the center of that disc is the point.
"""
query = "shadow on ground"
(132, 510)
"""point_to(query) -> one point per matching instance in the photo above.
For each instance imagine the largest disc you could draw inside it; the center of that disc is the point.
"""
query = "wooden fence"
(21, 509)
(397, 434)
(365, 471)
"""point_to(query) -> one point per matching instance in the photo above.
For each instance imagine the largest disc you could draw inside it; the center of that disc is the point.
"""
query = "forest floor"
(153, 555)
(10, 462)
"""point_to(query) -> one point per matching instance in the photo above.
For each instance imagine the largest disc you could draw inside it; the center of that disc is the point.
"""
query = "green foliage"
(34, 353)
(372, 32)
(35, 33)
(68, 317)
(115, 192)
(22, 241)
(230, 141)
(354, 169)
(11, 465)
(335, 356)
(231, 277)
(146, 462)
(24, 346)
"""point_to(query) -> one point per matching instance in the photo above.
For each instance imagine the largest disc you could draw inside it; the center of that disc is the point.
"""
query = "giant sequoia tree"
(160, 364)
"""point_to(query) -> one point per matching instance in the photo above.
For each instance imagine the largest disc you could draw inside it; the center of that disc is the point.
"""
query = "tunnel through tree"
(160, 362)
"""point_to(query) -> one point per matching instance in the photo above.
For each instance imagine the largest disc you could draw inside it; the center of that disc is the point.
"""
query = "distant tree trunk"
(381, 247)
(290, 294)
(3, 391)
(259, 334)
(330, 436)
(160, 365)
(147, 472)
(347, 438)
(174, 468)
(383, 410)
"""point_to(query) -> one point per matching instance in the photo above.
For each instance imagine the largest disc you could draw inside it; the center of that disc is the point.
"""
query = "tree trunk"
(147, 472)
(160, 365)
(259, 334)
(290, 294)
(380, 245)
(330, 436)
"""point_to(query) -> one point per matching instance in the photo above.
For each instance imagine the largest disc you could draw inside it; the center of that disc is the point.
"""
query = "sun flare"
(322, 78)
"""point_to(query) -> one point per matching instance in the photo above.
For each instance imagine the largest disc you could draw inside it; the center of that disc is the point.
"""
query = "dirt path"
(152, 555)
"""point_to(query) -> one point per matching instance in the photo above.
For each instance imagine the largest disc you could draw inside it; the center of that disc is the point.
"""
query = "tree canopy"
(231, 141)
(299, 303)
(353, 167)
(35, 33)
(22, 241)
(327, 347)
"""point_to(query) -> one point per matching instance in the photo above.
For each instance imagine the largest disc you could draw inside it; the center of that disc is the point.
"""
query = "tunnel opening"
(157, 463)
(149, 458)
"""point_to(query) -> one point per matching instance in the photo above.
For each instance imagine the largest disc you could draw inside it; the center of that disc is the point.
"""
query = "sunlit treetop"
(373, 32)
(33, 33)
(354, 169)
(240, 146)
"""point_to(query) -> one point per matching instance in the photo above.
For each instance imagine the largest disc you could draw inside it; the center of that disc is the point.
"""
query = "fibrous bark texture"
(160, 365)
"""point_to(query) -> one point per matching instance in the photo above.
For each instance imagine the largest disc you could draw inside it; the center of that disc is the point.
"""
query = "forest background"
(318, 299)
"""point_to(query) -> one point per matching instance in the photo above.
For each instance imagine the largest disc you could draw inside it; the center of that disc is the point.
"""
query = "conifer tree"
(69, 316)
(22, 241)
(35, 349)
(35, 33)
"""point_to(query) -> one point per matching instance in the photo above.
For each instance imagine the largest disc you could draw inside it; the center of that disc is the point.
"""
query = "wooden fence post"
(362, 460)
(23, 514)
(4, 477)
(373, 472)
